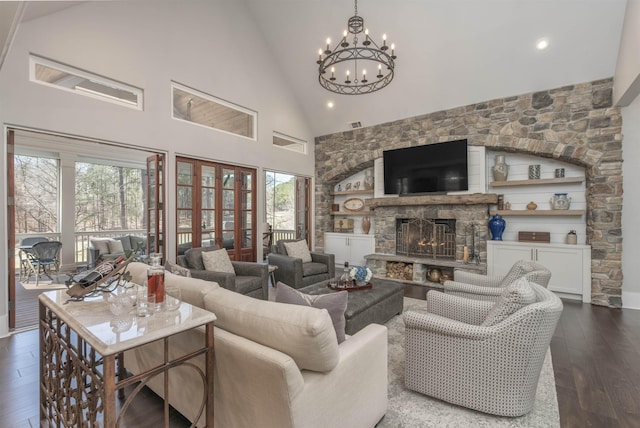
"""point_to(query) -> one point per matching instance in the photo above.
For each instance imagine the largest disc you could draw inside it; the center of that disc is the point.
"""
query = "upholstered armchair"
(247, 278)
(482, 355)
(298, 272)
(489, 287)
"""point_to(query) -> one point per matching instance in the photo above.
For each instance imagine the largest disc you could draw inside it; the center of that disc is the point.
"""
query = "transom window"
(206, 110)
(289, 143)
(71, 79)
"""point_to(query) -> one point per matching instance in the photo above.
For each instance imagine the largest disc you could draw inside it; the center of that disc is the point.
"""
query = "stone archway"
(574, 124)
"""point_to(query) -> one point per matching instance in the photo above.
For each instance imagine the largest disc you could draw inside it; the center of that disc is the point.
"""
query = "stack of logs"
(400, 270)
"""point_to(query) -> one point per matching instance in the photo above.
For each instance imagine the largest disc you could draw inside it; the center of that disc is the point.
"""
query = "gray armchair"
(293, 272)
(249, 278)
(489, 287)
(455, 355)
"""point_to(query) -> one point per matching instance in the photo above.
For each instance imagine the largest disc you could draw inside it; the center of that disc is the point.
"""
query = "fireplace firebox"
(435, 238)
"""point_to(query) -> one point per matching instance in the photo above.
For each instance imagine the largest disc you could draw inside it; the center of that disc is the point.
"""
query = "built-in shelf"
(537, 213)
(363, 212)
(563, 180)
(352, 192)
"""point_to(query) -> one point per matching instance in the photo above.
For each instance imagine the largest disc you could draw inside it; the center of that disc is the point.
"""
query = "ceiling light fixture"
(542, 44)
(351, 61)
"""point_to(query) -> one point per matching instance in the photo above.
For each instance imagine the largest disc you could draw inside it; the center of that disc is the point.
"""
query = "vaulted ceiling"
(450, 52)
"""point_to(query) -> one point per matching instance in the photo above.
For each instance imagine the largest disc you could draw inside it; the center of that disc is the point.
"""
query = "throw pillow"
(177, 269)
(100, 244)
(334, 303)
(115, 246)
(514, 297)
(194, 256)
(217, 261)
(298, 249)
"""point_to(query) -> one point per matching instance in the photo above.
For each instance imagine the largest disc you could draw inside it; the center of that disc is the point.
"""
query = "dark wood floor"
(595, 350)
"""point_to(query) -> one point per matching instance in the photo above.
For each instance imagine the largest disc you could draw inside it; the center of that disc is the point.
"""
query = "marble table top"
(110, 334)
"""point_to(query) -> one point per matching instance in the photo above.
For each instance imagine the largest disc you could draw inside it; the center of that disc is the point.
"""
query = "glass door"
(155, 205)
(223, 212)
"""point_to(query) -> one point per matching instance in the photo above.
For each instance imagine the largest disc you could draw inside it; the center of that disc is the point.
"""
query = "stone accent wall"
(576, 124)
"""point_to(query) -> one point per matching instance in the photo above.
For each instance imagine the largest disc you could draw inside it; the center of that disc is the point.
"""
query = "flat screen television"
(429, 168)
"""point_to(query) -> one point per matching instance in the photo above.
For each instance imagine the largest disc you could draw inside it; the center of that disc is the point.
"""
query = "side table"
(80, 343)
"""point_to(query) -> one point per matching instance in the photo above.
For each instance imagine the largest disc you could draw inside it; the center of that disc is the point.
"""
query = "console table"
(80, 344)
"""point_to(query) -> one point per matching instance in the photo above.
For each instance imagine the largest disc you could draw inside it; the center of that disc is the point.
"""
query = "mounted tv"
(429, 168)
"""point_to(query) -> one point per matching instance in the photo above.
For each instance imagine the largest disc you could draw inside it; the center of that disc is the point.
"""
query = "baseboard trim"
(630, 300)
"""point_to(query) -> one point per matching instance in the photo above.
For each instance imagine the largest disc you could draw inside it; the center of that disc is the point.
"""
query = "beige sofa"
(276, 365)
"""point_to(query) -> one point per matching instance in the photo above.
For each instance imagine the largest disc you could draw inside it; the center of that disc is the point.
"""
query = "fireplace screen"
(434, 238)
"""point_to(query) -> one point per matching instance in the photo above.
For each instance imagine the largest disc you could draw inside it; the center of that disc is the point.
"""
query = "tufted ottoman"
(374, 305)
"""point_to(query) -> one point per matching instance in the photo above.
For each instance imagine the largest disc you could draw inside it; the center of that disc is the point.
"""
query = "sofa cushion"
(138, 243)
(125, 241)
(217, 261)
(177, 269)
(303, 333)
(100, 244)
(115, 246)
(313, 268)
(298, 249)
(334, 303)
(247, 284)
(194, 256)
(517, 271)
(514, 297)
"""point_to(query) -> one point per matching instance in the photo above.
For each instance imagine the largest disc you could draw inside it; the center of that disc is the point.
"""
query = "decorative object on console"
(496, 225)
(353, 204)
(531, 206)
(572, 237)
(500, 169)
(507, 206)
(366, 225)
(534, 236)
(534, 172)
(350, 59)
(343, 225)
(560, 201)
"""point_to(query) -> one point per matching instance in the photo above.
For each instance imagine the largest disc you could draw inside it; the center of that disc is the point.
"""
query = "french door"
(215, 206)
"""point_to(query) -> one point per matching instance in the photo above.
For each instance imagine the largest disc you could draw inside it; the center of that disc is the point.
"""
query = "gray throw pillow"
(514, 297)
(334, 303)
(177, 269)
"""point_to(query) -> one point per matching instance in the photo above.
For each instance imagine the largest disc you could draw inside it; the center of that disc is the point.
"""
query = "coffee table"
(377, 304)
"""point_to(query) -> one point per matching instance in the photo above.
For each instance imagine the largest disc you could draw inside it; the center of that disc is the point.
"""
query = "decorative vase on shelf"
(496, 226)
(368, 179)
(500, 169)
(366, 225)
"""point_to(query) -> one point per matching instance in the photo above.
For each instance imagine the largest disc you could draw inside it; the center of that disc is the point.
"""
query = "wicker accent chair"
(489, 287)
(455, 355)
(293, 272)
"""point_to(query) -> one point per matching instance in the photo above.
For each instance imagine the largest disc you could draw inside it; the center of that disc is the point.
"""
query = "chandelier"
(351, 61)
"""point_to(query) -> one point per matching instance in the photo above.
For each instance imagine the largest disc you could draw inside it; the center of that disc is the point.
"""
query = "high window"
(289, 143)
(203, 109)
(81, 82)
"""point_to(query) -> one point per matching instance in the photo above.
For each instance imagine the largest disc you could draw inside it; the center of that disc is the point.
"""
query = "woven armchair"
(452, 356)
(489, 287)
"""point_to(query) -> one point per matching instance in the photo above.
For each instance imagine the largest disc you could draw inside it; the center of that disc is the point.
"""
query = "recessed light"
(542, 44)
(330, 104)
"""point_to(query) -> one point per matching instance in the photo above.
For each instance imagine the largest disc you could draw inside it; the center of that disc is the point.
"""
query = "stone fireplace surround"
(575, 124)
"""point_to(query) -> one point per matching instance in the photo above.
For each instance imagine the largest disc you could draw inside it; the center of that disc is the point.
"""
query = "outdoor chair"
(44, 258)
(23, 252)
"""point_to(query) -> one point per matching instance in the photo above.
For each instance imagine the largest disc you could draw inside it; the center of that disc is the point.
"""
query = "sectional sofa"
(276, 365)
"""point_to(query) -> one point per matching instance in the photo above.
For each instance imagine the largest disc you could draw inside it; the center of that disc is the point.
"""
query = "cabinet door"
(337, 244)
(565, 266)
(360, 246)
(501, 256)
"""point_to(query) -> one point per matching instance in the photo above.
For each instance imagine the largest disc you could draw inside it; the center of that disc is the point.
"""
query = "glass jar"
(155, 278)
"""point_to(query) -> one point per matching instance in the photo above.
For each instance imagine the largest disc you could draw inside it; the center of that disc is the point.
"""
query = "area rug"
(408, 409)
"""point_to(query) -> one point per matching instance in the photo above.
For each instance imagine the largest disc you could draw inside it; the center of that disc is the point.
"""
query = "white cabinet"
(570, 265)
(349, 247)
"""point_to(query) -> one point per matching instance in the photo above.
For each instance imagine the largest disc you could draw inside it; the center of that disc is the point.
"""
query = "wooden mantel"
(472, 199)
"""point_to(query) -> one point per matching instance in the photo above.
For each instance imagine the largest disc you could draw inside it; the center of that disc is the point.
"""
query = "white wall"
(631, 206)
(627, 76)
(212, 46)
